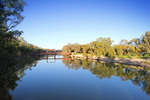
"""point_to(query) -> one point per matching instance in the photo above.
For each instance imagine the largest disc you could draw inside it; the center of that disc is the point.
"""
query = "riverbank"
(127, 61)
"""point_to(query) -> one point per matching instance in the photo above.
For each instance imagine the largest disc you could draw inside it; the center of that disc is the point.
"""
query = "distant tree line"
(11, 42)
(103, 47)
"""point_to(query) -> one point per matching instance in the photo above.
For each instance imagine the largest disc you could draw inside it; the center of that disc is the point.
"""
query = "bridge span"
(54, 52)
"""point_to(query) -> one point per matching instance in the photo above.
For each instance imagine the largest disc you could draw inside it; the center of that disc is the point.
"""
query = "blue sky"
(55, 23)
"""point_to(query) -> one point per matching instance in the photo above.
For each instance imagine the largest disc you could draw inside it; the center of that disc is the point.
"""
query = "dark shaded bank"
(12, 71)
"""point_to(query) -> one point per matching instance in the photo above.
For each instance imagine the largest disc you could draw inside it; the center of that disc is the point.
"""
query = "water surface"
(76, 80)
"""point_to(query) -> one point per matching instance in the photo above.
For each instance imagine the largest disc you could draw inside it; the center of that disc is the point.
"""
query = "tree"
(10, 17)
(124, 42)
(125, 46)
(105, 44)
(135, 42)
(111, 53)
(132, 50)
(146, 42)
(118, 50)
(10, 14)
(22, 41)
(85, 49)
(97, 47)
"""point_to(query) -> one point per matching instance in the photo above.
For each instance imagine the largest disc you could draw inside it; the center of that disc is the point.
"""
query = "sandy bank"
(127, 61)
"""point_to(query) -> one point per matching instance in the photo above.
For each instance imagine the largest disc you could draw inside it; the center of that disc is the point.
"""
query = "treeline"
(104, 47)
(16, 46)
(11, 42)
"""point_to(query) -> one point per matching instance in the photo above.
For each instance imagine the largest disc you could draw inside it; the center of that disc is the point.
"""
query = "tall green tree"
(10, 17)
(105, 44)
(85, 48)
(11, 14)
(125, 46)
(146, 42)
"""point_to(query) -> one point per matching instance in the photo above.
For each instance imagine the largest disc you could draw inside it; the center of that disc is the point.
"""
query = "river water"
(66, 79)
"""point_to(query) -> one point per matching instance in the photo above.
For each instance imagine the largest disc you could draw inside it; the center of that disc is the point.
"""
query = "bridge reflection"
(57, 58)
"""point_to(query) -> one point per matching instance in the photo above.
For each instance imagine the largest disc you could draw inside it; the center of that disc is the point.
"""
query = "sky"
(55, 23)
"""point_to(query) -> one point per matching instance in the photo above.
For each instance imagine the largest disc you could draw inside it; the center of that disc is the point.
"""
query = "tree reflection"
(137, 75)
(11, 74)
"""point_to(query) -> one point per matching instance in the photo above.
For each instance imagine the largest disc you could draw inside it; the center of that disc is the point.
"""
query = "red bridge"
(54, 52)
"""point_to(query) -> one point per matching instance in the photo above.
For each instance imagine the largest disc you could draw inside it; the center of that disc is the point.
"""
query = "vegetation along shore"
(134, 52)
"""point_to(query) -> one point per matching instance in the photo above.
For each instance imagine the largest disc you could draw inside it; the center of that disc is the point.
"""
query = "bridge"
(54, 52)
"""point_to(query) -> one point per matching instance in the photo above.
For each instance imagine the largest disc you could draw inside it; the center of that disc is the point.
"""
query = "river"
(66, 79)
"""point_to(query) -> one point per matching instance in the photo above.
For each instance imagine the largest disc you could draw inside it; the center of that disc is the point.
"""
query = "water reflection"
(9, 75)
(139, 76)
(53, 58)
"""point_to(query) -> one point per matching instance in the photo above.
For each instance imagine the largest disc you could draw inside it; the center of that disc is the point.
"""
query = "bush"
(147, 55)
